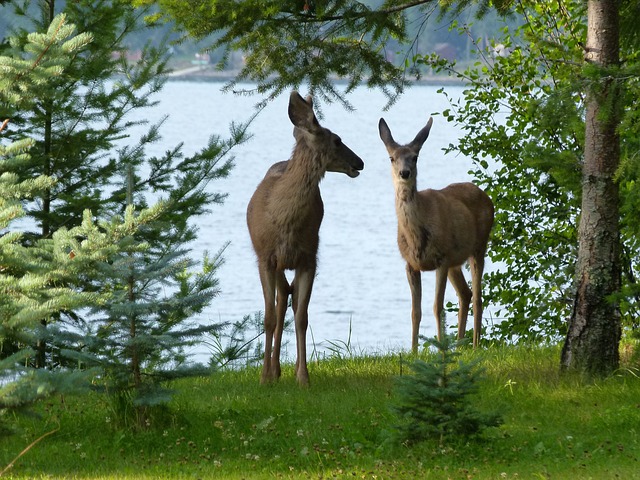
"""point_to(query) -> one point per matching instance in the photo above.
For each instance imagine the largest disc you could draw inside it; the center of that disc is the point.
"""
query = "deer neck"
(409, 209)
(406, 194)
(299, 182)
(306, 167)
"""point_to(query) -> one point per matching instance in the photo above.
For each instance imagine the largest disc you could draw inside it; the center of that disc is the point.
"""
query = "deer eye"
(392, 159)
(414, 159)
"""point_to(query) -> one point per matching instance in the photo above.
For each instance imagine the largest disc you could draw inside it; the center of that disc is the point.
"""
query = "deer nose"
(404, 174)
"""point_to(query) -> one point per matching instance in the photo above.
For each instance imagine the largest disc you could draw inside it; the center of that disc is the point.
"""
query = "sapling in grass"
(436, 401)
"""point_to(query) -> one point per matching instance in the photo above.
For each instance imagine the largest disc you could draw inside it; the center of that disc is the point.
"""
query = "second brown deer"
(284, 217)
(439, 230)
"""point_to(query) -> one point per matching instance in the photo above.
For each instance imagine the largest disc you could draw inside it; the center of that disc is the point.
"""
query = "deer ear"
(422, 135)
(301, 113)
(385, 134)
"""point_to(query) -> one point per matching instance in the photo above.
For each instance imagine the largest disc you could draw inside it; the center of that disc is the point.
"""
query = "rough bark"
(594, 331)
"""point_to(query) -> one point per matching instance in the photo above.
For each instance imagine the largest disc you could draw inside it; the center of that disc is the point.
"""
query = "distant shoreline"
(209, 74)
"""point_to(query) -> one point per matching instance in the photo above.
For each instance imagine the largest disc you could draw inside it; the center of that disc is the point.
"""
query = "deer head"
(338, 157)
(404, 158)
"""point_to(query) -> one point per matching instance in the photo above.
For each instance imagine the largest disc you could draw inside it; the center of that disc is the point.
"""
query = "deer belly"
(296, 251)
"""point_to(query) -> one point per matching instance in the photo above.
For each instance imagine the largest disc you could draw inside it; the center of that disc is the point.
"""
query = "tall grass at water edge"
(227, 426)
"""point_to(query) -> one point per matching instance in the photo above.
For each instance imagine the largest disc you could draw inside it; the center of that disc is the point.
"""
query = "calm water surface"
(361, 296)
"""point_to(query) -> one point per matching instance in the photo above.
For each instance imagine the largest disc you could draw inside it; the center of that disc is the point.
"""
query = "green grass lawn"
(229, 426)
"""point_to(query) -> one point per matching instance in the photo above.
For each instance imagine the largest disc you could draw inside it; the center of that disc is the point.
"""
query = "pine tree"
(138, 337)
(32, 275)
(74, 119)
(77, 125)
(148, 288)
(286, 44)
(436, 401)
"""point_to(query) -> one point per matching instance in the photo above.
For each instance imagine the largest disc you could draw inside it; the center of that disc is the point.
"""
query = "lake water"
(361, 296)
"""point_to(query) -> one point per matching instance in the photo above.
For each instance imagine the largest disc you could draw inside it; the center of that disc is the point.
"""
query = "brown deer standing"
(284, 217)
(439, 230)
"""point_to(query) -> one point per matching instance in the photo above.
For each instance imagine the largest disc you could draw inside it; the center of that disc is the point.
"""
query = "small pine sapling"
(436, 401)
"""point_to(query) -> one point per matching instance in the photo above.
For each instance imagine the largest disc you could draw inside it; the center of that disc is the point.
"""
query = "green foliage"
(33, 63)
(287, 44)
(125, 297)
(23, 387)
(437, 401)
(33, 277)
(77, 120)
(628, 178)
(522, 118)
(281, 41)
(137, 335)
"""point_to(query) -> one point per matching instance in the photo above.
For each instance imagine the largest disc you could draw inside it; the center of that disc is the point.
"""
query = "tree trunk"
(41, 345)
(594, 331)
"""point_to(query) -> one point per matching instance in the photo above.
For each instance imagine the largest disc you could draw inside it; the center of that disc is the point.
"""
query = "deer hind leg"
(268, 281)
(415, 285)
(456, 277)
(282, 302)
(303, 284)
(477, 268)
(438, 303)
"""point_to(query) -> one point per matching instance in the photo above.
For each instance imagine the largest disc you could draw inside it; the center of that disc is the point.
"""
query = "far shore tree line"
(100, 285)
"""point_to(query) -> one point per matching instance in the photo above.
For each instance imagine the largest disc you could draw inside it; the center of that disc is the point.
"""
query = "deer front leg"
(456, 277)
(301, 295)
(415, 285)
(438, 304)
(268, 281)
(477, 267)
